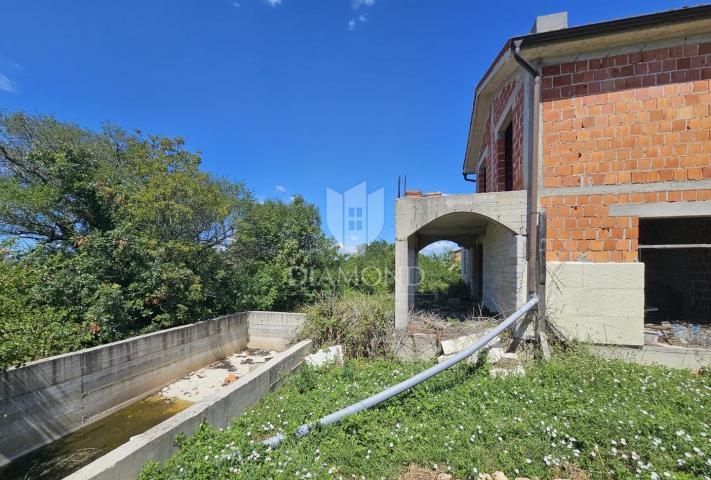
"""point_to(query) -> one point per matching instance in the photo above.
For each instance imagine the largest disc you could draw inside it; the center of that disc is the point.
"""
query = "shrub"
(438, 272)
(361, 323)
(29, 330)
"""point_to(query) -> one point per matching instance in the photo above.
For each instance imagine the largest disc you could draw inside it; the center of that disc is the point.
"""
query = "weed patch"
(575, 416)
(361, 323)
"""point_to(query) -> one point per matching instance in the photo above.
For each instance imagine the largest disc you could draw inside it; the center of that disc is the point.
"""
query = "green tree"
(280, 255)
(123, 234)
(59, 182)
(440, 273)
(28, 327)
(371, 269)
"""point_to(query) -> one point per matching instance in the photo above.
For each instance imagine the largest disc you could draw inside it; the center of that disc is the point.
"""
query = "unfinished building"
(591, 143)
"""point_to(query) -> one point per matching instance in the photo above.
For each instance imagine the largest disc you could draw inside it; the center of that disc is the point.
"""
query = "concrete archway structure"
(493, 222)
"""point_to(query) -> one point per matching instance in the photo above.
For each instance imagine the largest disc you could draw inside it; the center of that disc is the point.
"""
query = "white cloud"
(273, 3)
(349, 249)
(7, 85)
(354, 21)
(356, 4)
(279, 188)
(236, 4)
(439, 247)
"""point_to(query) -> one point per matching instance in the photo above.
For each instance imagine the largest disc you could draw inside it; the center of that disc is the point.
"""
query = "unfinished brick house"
(601, 133)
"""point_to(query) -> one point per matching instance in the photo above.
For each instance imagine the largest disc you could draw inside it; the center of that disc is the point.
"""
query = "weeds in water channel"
(575, 416)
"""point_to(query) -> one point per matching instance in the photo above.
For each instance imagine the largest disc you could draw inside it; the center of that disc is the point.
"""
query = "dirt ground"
(445, 322)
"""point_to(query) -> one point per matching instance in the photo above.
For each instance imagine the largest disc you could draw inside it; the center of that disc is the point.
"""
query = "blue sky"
(291, 96)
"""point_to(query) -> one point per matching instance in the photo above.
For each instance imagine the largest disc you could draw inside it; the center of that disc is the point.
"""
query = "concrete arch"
(498, 219)
(505, 208)
(459, 227)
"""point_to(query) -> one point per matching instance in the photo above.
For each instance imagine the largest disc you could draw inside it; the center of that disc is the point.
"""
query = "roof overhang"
(570, 43)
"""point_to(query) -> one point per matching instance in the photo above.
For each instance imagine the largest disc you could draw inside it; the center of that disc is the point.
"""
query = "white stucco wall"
(597, 302)
(504, 286)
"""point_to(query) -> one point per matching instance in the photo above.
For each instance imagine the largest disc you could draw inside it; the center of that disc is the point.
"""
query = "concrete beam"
(459, 214)
(668, 356)
(628, 188)
(662, 209)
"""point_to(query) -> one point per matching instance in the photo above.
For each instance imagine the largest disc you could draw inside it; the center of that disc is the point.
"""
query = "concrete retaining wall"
(47, 399)
(126, 461)
(273, 330)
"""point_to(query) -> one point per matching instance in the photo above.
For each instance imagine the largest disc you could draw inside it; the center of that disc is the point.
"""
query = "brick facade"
(580, 228)
(630, 119)
(491, 170)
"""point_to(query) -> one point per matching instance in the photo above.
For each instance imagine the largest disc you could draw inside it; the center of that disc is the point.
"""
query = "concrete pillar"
(413, 264)
(405, 280)
(467, 267)
(463, 265)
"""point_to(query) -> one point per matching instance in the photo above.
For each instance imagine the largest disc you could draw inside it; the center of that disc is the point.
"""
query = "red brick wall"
(629, 119)
(580, 228)
(494, 161)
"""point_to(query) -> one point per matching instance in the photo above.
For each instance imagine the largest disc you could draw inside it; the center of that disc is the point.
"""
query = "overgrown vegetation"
(109, 234)
(361, 323)
(441, 275)
(575, 416)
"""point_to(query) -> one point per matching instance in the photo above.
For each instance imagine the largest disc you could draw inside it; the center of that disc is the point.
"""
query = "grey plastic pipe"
(412, 381)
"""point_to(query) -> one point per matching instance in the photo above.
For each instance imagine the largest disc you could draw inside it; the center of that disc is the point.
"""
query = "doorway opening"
(676, 253)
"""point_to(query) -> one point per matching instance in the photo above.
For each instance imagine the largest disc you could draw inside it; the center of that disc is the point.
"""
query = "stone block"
(417, 346)
(458, 344)
(325, 356)
(495, 354)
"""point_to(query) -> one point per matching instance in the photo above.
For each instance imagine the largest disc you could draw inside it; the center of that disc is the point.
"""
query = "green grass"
(574, 416)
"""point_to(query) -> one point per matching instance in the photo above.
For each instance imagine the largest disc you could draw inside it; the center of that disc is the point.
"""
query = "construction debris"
(201, 383)
(419, 194)
(678, 334)
(325, 356)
